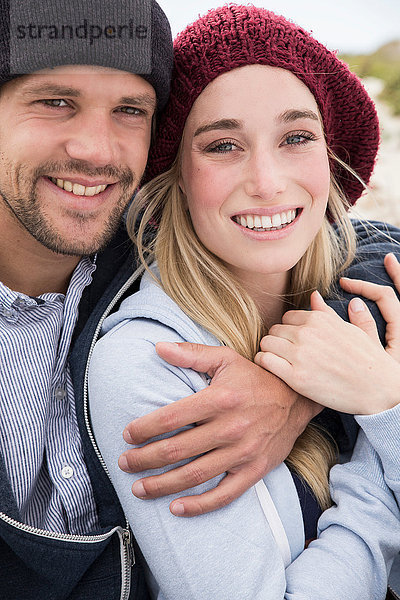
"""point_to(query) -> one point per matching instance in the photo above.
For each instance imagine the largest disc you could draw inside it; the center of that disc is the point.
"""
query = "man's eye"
(132, 110)
(55, 102)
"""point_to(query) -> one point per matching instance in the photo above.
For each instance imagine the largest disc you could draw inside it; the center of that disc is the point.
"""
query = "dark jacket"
(374, 241)
(36, 566)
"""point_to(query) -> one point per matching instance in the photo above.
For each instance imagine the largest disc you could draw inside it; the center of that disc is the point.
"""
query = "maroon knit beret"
(234, 36)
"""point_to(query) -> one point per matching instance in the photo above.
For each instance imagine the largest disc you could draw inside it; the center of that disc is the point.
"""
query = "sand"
(382, 202)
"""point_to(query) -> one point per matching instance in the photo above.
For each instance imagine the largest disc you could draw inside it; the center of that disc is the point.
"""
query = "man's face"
(73, 147)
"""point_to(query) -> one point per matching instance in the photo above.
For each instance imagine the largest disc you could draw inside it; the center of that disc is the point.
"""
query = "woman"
(249, 176)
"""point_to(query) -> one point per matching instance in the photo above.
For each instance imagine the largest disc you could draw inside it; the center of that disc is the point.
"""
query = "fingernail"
(170, 344)
(123, 463)
(393, 256)
(138, 490)
(178, 509)
(357, 305)
(127, 436)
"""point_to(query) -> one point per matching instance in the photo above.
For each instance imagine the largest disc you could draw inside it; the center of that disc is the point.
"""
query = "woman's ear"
(181, 184)
(182, 188)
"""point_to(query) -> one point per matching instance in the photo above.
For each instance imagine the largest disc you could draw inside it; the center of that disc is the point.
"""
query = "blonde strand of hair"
(205, 290)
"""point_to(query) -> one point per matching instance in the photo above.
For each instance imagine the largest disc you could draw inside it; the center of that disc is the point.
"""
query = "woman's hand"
(337, 364)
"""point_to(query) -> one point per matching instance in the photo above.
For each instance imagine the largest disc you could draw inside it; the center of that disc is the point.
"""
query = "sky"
(354, 26)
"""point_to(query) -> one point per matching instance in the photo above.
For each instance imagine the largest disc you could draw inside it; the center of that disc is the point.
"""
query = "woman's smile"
(255, 175)
(266, 220)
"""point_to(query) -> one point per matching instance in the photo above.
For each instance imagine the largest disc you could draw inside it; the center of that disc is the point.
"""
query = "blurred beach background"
(366, 35)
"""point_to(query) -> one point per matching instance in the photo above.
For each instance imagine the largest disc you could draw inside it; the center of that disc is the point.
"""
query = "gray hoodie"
(253, 548)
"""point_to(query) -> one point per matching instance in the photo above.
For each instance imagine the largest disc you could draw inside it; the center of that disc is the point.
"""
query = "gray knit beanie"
(129, 35)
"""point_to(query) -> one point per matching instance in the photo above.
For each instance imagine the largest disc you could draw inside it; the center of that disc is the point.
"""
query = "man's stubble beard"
(33, 219)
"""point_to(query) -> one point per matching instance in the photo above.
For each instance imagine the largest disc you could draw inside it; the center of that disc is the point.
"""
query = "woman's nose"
(265, 177)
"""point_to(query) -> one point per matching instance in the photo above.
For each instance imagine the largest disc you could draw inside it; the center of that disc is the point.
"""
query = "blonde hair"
(206, 291)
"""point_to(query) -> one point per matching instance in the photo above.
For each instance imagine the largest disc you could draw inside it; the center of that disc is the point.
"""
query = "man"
(79, 93)
(75, 129)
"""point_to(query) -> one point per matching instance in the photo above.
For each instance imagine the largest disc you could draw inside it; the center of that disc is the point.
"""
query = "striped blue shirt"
(39, 437)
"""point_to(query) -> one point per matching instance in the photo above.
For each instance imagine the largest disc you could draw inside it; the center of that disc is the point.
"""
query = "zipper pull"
(127, 539)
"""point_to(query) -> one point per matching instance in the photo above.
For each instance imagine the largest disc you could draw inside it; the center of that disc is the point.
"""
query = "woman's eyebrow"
(220, 124)
(286, 117)
(293, 114)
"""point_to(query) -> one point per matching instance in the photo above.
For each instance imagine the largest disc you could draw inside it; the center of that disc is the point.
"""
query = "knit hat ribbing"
(234, 36)
(129, 35)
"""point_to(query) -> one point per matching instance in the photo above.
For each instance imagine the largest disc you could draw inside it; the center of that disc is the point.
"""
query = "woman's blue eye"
(222, 147)
(298, 138)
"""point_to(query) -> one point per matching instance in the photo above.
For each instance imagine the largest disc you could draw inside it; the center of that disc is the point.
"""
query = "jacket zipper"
(65, 537)
(395, 594)
(126, 546)
(123, 534)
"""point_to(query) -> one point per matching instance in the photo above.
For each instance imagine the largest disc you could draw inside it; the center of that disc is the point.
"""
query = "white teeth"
(78, 189)
(266, 222)
(277, 221)
(90, 191)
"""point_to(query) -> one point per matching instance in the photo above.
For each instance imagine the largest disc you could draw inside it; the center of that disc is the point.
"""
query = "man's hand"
(247, 422)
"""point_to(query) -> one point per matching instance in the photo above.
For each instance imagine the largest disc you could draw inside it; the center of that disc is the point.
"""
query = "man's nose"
(91, 138)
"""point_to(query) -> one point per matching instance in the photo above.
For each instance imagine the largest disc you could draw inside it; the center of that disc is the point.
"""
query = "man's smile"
(78, 188)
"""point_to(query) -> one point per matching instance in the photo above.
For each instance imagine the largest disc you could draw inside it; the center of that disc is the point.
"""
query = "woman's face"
(255, 170)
